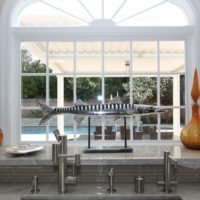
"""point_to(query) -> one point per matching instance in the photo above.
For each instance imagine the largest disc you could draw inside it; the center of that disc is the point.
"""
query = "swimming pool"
(82, 130)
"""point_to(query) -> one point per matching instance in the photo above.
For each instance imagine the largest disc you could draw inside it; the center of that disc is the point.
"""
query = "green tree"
(166, 90)
(29, 65)
(68, 89)
(145, 90)
(114, 86)
(32, 86)
(88, 88)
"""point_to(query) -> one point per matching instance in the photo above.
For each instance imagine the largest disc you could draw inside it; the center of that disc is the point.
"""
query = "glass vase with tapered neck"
(1, 136)
(190, 135)
(195, 93)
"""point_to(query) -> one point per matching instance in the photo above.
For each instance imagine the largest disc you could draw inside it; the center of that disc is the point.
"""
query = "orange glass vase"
(190, 135)
(1, 136)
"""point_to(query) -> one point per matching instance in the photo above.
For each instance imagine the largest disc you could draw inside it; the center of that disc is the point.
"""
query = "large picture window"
(139, 72)
(127, 48)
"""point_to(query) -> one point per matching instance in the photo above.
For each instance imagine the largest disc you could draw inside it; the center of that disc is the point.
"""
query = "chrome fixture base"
(109, 150)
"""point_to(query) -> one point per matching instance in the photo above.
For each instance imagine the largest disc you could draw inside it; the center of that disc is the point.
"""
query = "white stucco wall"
(6, 80)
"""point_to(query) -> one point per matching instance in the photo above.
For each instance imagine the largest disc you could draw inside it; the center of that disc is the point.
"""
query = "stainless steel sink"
(83, 197)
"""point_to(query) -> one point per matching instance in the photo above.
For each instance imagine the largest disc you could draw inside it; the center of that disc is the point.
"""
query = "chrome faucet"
(63, 179)
(60, 157)
(111, 176)
(167, 182)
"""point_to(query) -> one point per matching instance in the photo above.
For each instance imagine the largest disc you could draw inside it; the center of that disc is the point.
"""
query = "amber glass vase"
(1, 136)
(190, 135)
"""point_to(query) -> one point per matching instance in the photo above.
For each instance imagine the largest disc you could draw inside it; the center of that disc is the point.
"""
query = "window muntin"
(72, 92)
(62, 13)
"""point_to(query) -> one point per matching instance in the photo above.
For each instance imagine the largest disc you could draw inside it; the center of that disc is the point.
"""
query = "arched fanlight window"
(63, 13)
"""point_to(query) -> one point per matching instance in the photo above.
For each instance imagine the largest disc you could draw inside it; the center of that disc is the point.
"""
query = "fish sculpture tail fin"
(48, 113)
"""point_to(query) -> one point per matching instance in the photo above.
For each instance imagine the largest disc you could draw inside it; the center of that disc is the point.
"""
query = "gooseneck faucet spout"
(60, 157)
(167, 163)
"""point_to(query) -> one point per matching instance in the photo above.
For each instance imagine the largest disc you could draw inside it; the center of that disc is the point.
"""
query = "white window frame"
(103, 75)
(12, 36)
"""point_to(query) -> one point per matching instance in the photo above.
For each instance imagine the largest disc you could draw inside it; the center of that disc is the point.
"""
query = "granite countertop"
(142, 154)
(15, 192)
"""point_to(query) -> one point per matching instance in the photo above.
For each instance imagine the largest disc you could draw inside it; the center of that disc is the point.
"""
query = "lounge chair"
(152, 132)
(137, 135)
(98, 133)
(109, 134)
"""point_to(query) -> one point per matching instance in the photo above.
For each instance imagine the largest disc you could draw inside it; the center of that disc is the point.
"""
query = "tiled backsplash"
(90, 174)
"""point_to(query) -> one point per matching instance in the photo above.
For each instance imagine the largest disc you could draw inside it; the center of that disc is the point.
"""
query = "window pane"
(149, 131)
(166, 91)
(33, 57)
(58, 13)
(166, 131)
(144, 90)
(41, 14)
(88, 57)
(89, 90)
(33, 90)
(141, 13)
(52, 125)
(68, 91)
(172, 57)
(61, 57)
(117, 86)
(116, 57)
(30, 129)
(96, 129)
(144, 57)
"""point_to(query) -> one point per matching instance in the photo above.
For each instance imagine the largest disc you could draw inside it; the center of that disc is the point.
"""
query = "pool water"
(67, 130)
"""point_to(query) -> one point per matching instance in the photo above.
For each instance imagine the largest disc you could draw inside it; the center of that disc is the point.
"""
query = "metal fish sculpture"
(116, 107)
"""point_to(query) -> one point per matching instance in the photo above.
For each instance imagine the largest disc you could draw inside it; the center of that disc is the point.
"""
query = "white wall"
(1, 4)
